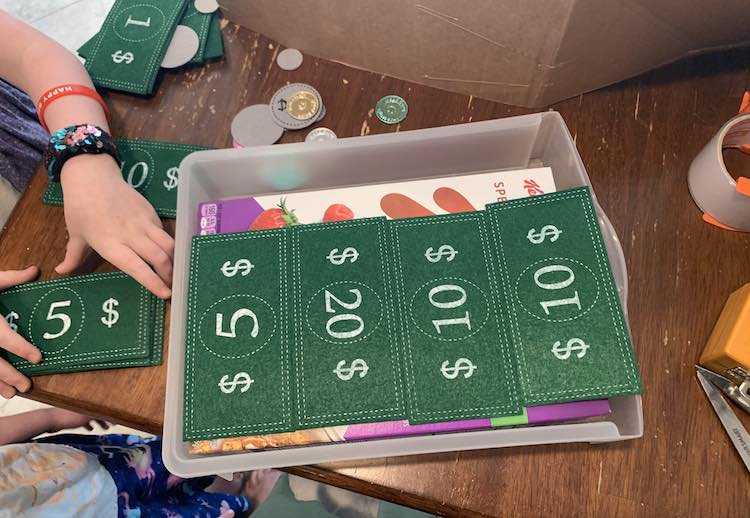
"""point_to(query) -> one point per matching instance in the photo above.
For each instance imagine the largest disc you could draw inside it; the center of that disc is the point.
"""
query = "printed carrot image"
(452, 201)
(398, 206)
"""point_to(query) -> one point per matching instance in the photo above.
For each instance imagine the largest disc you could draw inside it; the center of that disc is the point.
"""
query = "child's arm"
(101, 209)
(24, 427)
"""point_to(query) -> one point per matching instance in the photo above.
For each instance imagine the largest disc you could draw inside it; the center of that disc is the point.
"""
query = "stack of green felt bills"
(429, 319)
(139, 37)
(150, 167)
(89, 322)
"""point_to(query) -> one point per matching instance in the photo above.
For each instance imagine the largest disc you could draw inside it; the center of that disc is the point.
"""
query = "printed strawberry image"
(337, 212)
(278, 217)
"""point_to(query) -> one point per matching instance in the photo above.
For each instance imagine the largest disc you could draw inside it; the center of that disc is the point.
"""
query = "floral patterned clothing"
(42, 480)
(140, 484)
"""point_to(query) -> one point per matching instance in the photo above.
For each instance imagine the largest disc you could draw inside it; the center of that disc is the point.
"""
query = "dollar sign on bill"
(462, 365)
(243, 266)
(446, 251)
(120, 56)
(547, 230)
(111, 315)
(172, 178)
(339, 258)
(347, 373)
(574, 345)
(241, 378)
(11, 319)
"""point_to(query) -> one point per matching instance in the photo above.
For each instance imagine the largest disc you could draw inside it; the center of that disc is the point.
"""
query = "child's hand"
(64, 419)
(104, 212)
(10, 379)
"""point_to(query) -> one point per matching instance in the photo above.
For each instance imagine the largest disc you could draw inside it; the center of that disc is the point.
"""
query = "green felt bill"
(346, 352)
(560, 300)
(237, 365)
(85, 50)
(201, 24)
(151, 167)
(81, 323)
(215, 44)
(205, 25)
(155, 353)
(132, 42)
(457, 358)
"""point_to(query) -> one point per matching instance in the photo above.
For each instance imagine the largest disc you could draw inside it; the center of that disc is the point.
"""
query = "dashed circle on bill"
(391, 109)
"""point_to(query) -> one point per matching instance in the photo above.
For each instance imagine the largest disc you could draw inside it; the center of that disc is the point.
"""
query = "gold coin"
(302, 105)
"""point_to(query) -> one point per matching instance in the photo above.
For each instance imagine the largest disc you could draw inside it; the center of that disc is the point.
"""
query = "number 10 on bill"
(560, 300)
(457, 359)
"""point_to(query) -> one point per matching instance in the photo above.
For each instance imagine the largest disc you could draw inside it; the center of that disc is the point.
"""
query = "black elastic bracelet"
(72, 141)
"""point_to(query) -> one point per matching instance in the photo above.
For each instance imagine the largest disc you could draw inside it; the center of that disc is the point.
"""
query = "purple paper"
(220, 217)
(568, 411)
(395, 428)
(535, 415)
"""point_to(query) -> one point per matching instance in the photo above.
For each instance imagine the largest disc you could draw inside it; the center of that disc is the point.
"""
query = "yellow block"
(728, 349)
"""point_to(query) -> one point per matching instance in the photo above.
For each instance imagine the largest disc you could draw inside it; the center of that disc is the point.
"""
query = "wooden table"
(637, 140)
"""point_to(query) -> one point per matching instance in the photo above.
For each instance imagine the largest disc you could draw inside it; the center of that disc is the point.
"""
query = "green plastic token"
(391, 109)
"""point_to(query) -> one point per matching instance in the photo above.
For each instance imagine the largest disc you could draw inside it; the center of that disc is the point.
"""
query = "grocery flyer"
(398, 200)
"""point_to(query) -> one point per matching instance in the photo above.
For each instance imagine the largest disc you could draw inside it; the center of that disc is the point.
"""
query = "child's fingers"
(17, 344)
(10, 278)
(6, 390)
(128, 261)
(13, 378)
(159, 236)
(75, 253)
(155, 256)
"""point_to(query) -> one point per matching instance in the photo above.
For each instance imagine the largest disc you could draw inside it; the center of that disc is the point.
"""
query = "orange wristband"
(57, 92)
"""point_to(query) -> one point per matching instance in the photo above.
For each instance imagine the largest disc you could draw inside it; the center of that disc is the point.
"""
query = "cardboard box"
(524, 52)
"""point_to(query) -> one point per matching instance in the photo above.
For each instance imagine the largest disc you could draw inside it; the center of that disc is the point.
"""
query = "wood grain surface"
(636, 139)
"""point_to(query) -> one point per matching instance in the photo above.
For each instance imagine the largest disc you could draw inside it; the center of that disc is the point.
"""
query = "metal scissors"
(713, 385)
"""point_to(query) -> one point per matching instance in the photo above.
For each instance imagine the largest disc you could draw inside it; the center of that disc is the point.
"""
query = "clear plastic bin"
(511, 143)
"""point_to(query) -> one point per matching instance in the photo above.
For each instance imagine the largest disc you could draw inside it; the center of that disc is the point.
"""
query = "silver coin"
(320, 135)
(289, 59)
(206, 6)
(278, 106)
(321, 113)
(254, 126)
(182, 47)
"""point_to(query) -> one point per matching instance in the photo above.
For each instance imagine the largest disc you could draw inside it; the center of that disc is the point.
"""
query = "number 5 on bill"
(237, 370)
